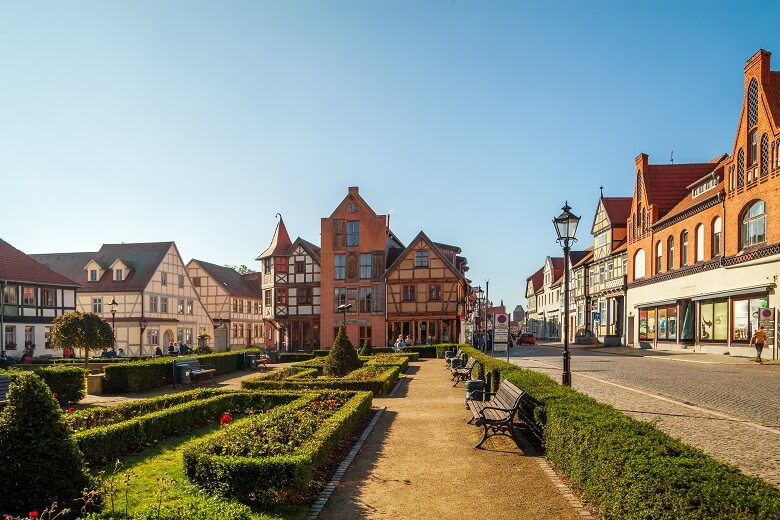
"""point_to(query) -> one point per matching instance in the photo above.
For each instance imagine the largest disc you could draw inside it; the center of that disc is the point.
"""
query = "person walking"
(759, 340)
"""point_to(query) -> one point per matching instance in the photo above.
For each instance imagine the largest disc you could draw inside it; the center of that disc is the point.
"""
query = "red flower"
(315, 404)
(32, 514)
(56, 395)
(70, 410)
(226, 418)
(332, 403)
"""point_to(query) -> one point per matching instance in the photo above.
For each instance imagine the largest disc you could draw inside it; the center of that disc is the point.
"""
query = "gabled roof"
(234, 283)
(666, 184)
(354, 192)
(772, 92)
(280, 242)
(576, 256)
(145, 258)
(618, 209)
(313, 250)
(587, 257)
(422, 236)
(15, 266)
(536, 279)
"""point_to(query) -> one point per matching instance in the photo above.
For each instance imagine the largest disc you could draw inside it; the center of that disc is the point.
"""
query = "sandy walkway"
(419, 462)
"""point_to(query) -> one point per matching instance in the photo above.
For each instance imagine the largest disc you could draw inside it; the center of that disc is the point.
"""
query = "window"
(300, 267)
(740, 168)
(281, 297)
(670, 254)
(339, 297)
(408, 293)
(601, 239)
(364, 334)
(752, 148)
(163, 278)
(365, 299)
(699, 243)
(240, 306)
(48, 298)
(10, 337)
(702, 188)
(352, 207)
(118, 275)
(29, 336)
(746, 316)
(353, 233)
(639, 186)
(163, 304)
(93, 275)
(304, 296)
(764, 155)
(153, 303)
(752, 103)
(365, 266)
(47, 337)
(235, 305)
(339, 267)
(421, 259)
(434, 292)
(267, 297)
(188, 336)
(257, 307)
(714, 324)
(181, 281)
(267, 265)
(639, 264)
(196, 281)
(717, 233)
(659, 256)
(28, 296)
(179, 335)
(97, 305)
(180, 307)
(602, 273)
(684, 249)
(658, 323)
(753, 228)
(153, 337)
(190, 306)
(10, 295)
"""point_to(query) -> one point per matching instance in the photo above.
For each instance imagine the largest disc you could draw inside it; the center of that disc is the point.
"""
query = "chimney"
(352, 190)
(758, 67)
(642, 161)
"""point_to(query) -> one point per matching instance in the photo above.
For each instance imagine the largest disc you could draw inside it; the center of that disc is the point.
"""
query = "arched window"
(684, 249)
(740, 168)
(639, 187)
(670, 254)
(659, 257)
(764, 155)
(752, 148)
(752, 103)
(644, 220)
(717, 233)
(753, 228)
(699, 243)
(639, 264)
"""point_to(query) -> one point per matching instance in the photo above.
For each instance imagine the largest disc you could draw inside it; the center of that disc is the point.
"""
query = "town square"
(354, 260)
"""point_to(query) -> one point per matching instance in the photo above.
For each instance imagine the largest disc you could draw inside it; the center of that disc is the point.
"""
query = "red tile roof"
(585, 259)
(666, 184)
(15, 266)
(234, 283)
(280, 242)
(772, 92)
(537, 279)
(688, 202)
(618, 209)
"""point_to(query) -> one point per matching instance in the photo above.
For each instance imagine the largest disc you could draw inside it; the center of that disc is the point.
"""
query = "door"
(630, 331)
(221, 339)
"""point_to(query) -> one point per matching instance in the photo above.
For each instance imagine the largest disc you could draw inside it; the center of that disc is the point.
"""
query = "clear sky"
(472, 120)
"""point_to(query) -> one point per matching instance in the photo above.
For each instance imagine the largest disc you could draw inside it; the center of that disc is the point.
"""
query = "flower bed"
(104, 443)
(628, 468)
(264, 457)
(381, 383)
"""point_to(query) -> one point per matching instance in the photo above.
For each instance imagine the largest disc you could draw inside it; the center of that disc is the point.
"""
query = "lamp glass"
(566, 224)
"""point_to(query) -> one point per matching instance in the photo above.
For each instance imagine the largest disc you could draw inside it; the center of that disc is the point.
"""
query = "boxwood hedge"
(382, 383)
(628, 468)
(68, 383)
(253, 478)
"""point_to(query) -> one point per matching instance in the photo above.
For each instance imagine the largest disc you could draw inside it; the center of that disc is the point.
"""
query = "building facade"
(147, 280)
(533, 286)
(233, 301)
(548, 299)
(704, 253)
(32, 296)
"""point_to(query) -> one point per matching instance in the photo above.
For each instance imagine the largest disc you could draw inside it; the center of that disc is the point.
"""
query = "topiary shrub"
(342, 358)
(367, 349)
(40, 462)
(68, 383)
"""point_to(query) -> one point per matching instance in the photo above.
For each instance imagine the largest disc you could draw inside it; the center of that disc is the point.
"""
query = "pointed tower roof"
(280, 243)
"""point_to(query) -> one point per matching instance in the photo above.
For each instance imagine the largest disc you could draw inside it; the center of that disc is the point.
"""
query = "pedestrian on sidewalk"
(759, 339)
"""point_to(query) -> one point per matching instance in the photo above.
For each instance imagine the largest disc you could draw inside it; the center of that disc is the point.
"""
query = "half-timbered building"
(426, 289)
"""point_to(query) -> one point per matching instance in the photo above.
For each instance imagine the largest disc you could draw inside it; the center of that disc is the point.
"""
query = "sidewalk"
(420, 462)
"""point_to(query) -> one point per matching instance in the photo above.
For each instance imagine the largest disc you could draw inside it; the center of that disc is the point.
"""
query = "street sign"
(597, 317)
(501, 333)
(767, 319)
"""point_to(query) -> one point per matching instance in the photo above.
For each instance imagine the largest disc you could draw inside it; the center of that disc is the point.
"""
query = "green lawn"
(159, 471)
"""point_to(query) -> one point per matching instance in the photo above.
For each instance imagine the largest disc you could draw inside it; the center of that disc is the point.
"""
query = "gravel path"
(419, 462)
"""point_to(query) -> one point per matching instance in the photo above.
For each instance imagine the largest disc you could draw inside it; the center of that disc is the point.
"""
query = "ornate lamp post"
(343, 308)
(566, 228)
(479, 293)
(142, 323)
(113, 305)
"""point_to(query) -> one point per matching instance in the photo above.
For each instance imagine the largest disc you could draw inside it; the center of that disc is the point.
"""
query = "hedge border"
(382, 384)
(68, 383)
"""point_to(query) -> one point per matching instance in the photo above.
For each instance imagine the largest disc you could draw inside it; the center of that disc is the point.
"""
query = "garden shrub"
(381, 383)
(292, 357)
(263, 457)
(68, 383)
(425, 351)
(628, 468)
(387, 359)
(367, 349)
(190, 508)
(441, 348)
(39, 462)
(342, 358)
(321, 352)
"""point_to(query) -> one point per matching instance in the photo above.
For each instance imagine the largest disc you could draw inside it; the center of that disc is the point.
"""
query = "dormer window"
(701, 188)
(119, 275)
(93, 277)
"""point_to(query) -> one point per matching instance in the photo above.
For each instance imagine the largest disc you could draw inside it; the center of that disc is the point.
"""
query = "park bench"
(449, 356)
(497, 415)
(463, 374)
(196, 370)
(4, 382)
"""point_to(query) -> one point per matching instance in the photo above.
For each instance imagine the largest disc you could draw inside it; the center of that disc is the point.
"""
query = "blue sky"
(474, 121)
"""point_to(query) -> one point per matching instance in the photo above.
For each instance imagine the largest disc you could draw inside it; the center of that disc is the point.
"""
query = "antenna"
(671, 157)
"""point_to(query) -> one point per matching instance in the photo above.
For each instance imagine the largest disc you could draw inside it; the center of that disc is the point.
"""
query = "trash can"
(273, 356)
(475, 389)
(183, 374)
(250, 361)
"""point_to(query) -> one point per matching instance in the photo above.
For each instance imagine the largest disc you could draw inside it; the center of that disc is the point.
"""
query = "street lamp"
(143, 322)
(479, 293)
(344, 307)
(566, 228)
(113, 305)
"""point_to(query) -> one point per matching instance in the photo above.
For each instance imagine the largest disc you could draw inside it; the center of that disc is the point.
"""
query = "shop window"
(746, 316)
(713, 320)
(753, 228)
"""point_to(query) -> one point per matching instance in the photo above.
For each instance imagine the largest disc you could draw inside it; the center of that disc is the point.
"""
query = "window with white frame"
(118, 275)
(180, 307)
(97, 305)
(163, 278)
(163, 304)
(93, 277)
(753, 228)
(153, 301)
(717, 233)
(190, 306)
(639, 264)
(153, 337)
(699, 243)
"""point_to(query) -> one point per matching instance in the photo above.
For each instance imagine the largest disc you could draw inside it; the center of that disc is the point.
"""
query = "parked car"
(526, 338)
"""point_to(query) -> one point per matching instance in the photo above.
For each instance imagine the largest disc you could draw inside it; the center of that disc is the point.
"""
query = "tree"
(40, 461)
(342, 358)
(83, 330)
(242, 269)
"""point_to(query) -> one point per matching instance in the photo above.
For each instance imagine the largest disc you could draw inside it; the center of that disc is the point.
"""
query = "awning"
(736, 292)
(655, 304)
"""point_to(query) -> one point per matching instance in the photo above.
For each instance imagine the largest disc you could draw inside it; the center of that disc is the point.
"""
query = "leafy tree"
(367, 349)
(242, 269)
(83, 330)
(40, 462)
(342, 358)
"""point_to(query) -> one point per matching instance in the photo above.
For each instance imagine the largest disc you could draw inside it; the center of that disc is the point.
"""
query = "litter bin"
(250, 361)
(475, 389)
(183, 374)
(273, 356)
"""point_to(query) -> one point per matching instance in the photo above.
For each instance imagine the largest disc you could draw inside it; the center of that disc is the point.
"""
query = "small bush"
(68, 383)
(425, 351)
(40, 462)
(381, 383)
(367, 349)
(342, 358)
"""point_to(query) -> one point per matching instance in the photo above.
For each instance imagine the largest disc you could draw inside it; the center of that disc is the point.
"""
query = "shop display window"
(713, 320)
(746, 315)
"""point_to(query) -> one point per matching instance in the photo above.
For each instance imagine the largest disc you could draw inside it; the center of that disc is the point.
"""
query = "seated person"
(158, 351)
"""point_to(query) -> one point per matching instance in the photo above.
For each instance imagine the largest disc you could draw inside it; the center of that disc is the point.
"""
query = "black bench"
(449, 356)
(497, 416)
(463, 374)
(196, 370)
(4, 382)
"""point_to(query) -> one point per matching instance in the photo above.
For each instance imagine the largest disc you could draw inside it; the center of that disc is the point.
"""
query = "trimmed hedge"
(628, 468)
(381, 384)
(138, 376)
(291, 357)
(252, 478)
(105, 443)
(68, 383)
(425, 351)
(386, 359)
(441, 348)
(321, 353)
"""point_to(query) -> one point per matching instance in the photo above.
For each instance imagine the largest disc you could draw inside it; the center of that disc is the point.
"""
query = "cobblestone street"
(728, 410)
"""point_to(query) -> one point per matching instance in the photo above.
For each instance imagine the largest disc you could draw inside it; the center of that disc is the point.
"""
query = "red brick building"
(357, 246)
